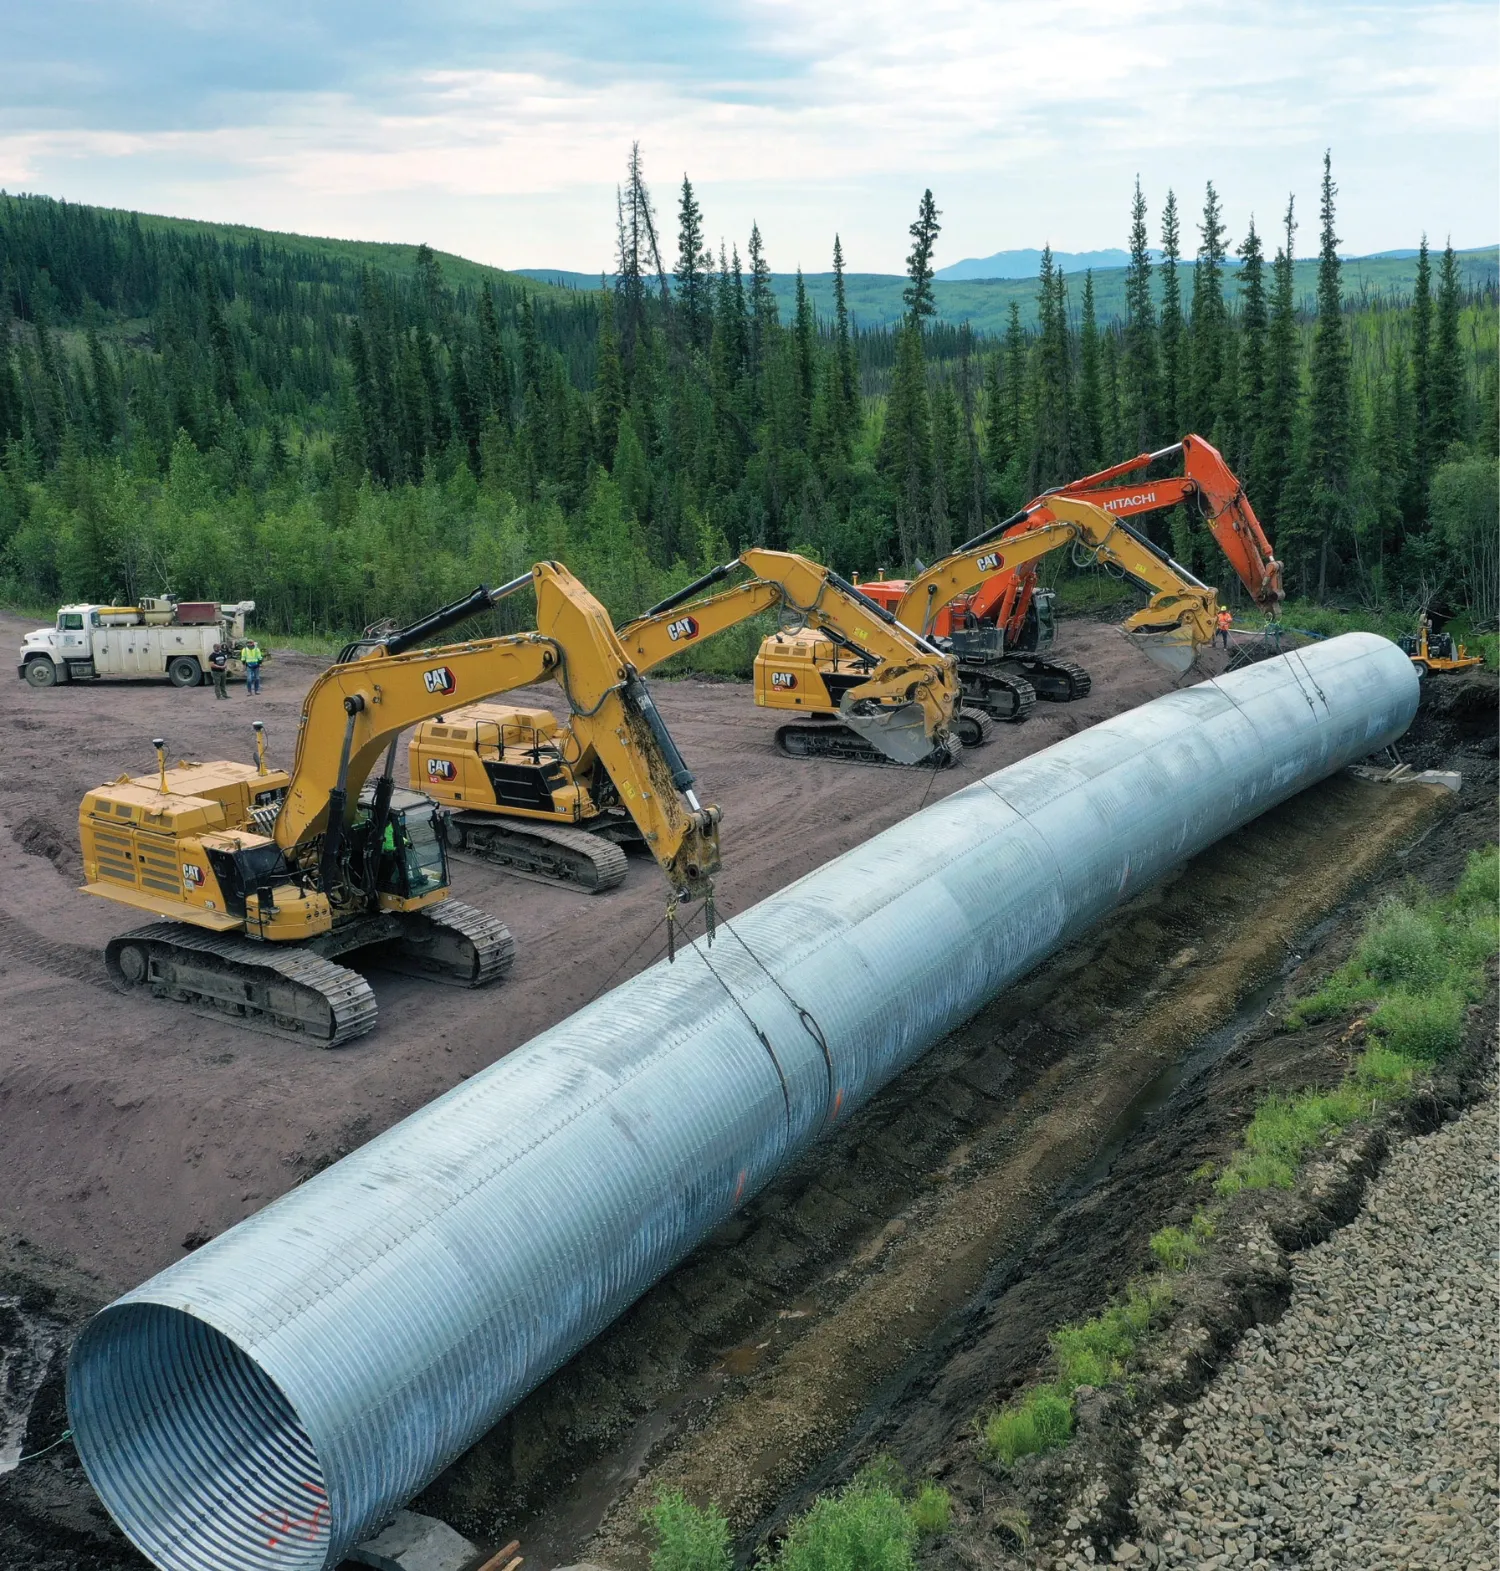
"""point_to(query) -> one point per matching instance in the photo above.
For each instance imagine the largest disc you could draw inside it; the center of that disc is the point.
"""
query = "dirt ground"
(865, 1297)
(128, 1128)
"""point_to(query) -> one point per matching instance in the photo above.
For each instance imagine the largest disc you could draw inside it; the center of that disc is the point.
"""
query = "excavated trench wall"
(271, 1400)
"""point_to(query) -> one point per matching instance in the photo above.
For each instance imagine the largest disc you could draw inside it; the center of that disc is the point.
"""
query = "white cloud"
(1028, 122)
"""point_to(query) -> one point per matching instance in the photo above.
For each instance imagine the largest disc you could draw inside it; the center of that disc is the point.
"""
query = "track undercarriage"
(554, 853)
(299, 992)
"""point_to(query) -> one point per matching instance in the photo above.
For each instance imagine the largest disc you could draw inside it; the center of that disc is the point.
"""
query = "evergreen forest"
(231, 414)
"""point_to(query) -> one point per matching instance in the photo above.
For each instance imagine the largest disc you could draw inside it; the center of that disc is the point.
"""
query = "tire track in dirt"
(76, 962)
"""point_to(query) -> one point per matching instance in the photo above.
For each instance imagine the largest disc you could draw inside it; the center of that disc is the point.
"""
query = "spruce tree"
(924, 233)
(762, 305)
(609, 387)
(1272, 463)
(1208, 324)
(974, 488)
(1330, 433)
(1173, 346)
(906, 442)
(493, 376)
(692, 270)
(1140, 369)
(804, 338)
(843, 343)
(1446, 384)
(1252, 354)
(1052, 450)
(1090, 388)
(997, 450)
(1414, 496)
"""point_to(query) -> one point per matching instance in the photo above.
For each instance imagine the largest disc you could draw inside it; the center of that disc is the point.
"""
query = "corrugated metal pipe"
(272, 1399)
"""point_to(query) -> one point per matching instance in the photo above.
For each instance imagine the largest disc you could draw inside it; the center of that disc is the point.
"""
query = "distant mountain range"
(875, 298)
(1025, 264)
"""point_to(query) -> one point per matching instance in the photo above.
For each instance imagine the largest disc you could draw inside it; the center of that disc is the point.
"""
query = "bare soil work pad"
(837, 1304)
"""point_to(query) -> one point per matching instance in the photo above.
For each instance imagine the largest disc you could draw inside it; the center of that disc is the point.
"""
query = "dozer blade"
(1172, 649)
(900, 733)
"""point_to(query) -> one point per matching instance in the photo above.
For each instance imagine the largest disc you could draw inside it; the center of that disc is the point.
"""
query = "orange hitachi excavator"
(1013, 617)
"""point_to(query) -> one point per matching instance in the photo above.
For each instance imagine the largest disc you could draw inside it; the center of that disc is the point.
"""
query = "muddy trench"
(903, 1278)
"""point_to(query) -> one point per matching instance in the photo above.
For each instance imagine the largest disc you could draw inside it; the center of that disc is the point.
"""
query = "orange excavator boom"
(1207, 480)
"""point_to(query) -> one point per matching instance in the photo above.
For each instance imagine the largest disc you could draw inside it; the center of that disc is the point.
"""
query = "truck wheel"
(41, 673)
(184, 671)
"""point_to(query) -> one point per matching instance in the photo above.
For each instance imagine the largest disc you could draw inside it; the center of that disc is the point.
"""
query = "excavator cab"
(411, 863)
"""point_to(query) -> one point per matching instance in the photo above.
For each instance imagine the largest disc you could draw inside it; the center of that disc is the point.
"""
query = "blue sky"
(499, 131)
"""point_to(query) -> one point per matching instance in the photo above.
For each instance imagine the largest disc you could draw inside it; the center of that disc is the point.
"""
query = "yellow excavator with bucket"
(260, 879)
(525, 790)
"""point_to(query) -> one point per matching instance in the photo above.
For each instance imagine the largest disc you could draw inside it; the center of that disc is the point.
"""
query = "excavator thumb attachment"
(1171, 649)
(899, 732)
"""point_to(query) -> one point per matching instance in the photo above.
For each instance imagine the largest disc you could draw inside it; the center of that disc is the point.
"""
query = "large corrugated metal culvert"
(269, 1401)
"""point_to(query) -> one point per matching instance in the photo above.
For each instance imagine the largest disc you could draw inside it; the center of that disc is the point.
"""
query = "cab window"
(71, 622)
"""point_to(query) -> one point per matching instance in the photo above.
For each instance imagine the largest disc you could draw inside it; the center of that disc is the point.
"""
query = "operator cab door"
(411, 860)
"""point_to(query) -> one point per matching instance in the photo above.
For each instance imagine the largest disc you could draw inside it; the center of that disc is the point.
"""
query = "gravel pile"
(1361, 1430)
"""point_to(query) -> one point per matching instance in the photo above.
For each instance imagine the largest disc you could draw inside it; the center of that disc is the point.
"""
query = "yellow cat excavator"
(525, 790)
(868, 689)
(261, 877)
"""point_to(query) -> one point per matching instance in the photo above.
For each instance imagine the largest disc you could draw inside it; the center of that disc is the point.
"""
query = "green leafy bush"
(688, 1537)
(866, 1526)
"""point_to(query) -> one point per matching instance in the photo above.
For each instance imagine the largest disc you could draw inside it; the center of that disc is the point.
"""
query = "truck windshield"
(426, 862)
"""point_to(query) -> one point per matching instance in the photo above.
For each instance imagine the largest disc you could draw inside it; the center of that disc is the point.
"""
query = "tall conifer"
(1208, 324)
(1447, 374)
(1173, 343)
(1140, 368)
(1330, 435)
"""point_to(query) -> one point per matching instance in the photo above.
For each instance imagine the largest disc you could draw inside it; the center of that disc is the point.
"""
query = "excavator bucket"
(900, 732)
(1172, 649)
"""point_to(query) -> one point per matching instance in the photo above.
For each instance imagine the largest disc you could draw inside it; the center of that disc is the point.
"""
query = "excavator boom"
(1209, 482)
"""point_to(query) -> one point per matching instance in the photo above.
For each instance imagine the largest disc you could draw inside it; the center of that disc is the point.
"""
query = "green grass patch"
(874, 1523)
(1175, 1248)
(1419, 964)
(1040, 1421)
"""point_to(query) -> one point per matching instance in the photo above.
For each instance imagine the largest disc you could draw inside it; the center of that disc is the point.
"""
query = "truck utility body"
(161, 637)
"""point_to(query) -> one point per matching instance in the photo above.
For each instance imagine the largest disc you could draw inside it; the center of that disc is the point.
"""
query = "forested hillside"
(349, 432)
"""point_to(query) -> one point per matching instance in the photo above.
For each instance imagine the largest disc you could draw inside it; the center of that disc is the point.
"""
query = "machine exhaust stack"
(269, 1401)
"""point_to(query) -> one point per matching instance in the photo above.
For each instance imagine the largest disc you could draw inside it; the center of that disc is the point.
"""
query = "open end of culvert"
(192, 1447)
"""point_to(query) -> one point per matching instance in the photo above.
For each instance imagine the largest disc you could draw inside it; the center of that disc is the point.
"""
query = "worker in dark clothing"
(1222, 623)
(218, 665)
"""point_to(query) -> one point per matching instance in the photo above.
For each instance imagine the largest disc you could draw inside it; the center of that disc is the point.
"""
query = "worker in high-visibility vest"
(251, 657)
(1222, 623)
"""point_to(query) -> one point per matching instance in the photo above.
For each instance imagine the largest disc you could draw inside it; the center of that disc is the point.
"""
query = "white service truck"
(161, 637)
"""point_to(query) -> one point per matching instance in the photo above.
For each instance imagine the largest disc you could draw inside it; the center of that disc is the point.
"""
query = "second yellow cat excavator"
(260, 878)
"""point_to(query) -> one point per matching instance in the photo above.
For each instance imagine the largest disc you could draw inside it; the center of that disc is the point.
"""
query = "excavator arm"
(906, 704)
(1209, 482)
(357, 709)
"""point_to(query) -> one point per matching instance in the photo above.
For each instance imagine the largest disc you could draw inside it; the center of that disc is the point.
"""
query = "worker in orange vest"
(1222, 623)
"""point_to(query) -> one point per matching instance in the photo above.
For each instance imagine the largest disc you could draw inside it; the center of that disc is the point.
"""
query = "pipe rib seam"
(271, 1400)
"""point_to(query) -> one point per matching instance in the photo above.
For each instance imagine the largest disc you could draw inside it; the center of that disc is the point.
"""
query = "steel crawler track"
(291, 993)
(553, 852)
